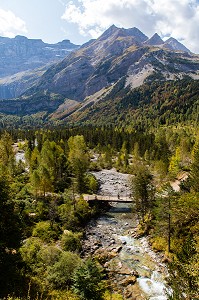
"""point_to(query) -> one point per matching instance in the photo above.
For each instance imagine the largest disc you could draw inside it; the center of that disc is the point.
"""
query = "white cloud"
(10, 25)
(176, 18)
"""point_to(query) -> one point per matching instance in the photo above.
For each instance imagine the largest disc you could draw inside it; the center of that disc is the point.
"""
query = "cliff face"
(96, 70)
(117, 53)
(20, 56)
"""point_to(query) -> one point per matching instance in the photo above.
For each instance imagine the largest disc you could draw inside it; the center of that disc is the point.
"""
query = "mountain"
(154, 40)
(173, 44)
(19, 56)
(119, 61)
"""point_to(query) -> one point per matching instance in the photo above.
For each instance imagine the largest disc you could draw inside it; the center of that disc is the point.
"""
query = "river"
(132, 267)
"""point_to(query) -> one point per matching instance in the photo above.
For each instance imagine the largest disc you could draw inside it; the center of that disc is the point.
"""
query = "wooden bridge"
(105, 198)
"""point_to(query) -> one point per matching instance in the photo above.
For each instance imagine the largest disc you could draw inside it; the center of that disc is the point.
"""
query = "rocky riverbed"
(131, 266)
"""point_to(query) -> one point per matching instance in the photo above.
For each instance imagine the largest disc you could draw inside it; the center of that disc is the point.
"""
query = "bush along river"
(132, 267)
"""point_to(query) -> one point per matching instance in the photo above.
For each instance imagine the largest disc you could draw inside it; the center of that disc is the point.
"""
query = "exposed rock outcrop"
(23, 61)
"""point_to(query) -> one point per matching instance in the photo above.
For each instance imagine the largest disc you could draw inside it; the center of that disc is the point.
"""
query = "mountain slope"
(155, 40)
(23, 61)
(173, 44)
(105, 60)
(154, 104)
(119, 61)
(20, 54)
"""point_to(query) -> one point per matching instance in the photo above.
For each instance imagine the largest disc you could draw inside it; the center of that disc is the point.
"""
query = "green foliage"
(10, 239)
(174, 166)
(30, 253)
(60, 274)
(122, 159)
(87, 281)
(78, 159)
(149, 106)
(51, 267)
(48, 168)
(184, 232)
(49, 255)
(45, 231)
(186, 284)
(142, 190)
(82, 211)
(92, 183)
(67, 216)
(47, 216)
(161, 168)
(7, 159)
(70, 241)
(194, 174)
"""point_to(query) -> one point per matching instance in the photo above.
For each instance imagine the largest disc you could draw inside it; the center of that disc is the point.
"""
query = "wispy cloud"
(11, 25)
(177, 18)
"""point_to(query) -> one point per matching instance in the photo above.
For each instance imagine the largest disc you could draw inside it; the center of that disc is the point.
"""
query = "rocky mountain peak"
(116, 32)
(119, 54)
(135, 32)
(21, 38)
(155, 40)
(173, 44)
(107, 33)
(21, 54)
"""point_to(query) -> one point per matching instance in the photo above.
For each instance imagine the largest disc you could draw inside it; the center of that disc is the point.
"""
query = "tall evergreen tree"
(10, 238)
(7, 158)
(78, 159)
(142, 190)
(194, 174)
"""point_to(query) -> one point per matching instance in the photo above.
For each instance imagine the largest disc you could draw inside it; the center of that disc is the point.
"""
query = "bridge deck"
(121, 199)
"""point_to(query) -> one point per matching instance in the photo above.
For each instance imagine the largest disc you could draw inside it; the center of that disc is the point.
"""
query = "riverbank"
(131, 267)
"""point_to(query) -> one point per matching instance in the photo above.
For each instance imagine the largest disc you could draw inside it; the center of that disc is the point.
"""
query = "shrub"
(45, 231)
(60, 274)
(71, 241)
(92, 183)
(29, 252)
(159, 244)
(49, 255)
(87, 281)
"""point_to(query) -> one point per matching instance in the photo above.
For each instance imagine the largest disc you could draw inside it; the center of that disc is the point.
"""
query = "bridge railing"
(108, 198)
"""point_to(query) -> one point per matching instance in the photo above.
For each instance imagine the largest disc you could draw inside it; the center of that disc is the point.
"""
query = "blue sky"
(42, 19)
(81, 20)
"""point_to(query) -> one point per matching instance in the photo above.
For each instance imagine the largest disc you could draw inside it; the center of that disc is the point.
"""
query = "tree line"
(43, 213)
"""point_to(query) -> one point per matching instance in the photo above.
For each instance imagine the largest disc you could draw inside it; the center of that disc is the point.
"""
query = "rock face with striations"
(173, 44)
(89, 73)
(20, 56)
(154, 40)
(117, 53)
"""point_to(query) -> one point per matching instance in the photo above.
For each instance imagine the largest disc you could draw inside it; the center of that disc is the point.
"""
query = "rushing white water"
(20, 155)
(153, 286)
(115, 229)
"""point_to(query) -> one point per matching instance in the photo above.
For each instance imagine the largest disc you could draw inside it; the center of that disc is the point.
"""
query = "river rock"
(118, 249)
(119, 253)
(128, 294)
(123, 271)
(129, 280)
(104, 256)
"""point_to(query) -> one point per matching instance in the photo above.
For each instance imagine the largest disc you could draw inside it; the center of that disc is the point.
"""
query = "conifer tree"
(10, 238)
(7, 158)
(142, 190)
(194, 174)
(78, 159)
